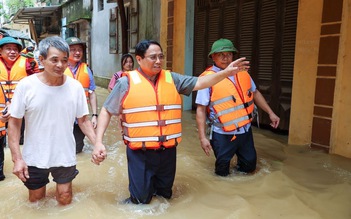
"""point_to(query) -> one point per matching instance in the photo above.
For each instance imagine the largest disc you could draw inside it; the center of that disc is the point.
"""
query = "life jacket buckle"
(161, 123)
(160, 107)
(143, 147)
(162, 138)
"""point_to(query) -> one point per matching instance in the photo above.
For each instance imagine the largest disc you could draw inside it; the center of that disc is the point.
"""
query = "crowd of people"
(147, 101)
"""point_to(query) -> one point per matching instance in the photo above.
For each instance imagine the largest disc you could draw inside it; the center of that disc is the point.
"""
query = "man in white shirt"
(49, 102)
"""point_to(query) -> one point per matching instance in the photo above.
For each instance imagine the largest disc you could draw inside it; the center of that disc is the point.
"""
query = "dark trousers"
(79, 137)
(151, 172)
(2, 156)
(225, 149)
(21, 141)
(2, 146)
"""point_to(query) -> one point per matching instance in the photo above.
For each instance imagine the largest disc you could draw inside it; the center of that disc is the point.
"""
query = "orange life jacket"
(82, 75)
(151, 114)
(232, 104)
(34, 66)
(9, 82)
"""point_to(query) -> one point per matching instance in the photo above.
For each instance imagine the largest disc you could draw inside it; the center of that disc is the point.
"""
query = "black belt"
(161, 148)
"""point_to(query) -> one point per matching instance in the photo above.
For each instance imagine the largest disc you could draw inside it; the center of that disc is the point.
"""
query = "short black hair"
(142, 46)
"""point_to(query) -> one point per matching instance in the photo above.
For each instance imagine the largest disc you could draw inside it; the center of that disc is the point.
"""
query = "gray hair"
(54, 41)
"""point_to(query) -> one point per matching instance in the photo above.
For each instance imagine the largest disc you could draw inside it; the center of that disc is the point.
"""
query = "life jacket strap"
(152, 123)
(223, 100)
(232, 122)
(9, 82)
(241, 106)
(152, 108)
(162, 138)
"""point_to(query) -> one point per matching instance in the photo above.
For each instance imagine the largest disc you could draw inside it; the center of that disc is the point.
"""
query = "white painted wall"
(103, 63)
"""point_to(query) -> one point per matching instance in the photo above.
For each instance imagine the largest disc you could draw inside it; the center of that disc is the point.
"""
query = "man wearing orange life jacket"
(13, 68)
(229, 106)
(80, 71)
(29, 54)
(149, 104)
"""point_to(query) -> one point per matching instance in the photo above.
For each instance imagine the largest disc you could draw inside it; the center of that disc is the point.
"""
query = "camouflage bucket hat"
(222, 45)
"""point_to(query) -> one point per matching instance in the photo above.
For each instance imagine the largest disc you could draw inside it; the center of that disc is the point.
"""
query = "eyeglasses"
(222, 55)
(153, 58)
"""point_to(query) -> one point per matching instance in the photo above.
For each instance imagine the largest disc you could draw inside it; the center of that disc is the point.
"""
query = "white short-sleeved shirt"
(49, 113)
(203, 98)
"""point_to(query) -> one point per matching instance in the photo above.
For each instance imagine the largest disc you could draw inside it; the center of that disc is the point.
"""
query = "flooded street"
(290, 182)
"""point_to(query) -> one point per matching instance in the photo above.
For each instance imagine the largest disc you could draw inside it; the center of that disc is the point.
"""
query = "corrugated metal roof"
(15, 34)
(25, 14)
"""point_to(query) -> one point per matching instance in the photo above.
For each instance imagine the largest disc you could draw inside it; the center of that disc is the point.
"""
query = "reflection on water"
(290, 182)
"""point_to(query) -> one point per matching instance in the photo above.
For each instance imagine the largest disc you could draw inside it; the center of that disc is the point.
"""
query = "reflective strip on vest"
(153, 123)
(135, 77)
(9, 82)
(156, 139)
(2, 129)
(151, 108)
(242, 106)
(8, 91)
(223, 100)
(232, 122)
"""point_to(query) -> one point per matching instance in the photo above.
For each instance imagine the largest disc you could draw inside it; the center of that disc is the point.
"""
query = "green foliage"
(15, 5)
(3, 12)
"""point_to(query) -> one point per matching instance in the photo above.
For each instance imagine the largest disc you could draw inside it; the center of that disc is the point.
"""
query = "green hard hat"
(222, 45)
(9, 40)
(74, 41)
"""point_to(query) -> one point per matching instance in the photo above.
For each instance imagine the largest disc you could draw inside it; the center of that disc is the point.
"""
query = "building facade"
(299, 52)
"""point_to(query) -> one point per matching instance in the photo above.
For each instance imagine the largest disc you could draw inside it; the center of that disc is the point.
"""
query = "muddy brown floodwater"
(290, 182)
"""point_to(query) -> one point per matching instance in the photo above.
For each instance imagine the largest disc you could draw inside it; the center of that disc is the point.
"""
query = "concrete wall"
(149, 19)
(105, 64)
(183, 42)
(318, 22)
(76, 10)
(341, 125)
(179, 39)
(305, 71)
